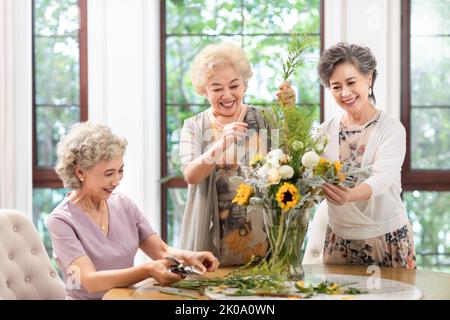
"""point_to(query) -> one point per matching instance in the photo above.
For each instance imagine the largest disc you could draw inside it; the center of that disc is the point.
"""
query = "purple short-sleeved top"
(74, 234)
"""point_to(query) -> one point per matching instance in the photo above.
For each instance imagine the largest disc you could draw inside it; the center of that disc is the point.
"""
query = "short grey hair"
(361, 57)
(219, 54)
(85, 145)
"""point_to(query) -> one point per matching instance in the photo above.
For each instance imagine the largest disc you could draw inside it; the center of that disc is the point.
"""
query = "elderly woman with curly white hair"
(96, 231)
(214, 146)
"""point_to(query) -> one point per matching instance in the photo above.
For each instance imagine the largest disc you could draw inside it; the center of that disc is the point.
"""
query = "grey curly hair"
(85, 145)
(361, 57)
(219, 54)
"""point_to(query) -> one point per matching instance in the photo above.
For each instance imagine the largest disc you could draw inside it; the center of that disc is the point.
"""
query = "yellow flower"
(337, 166)
(244, 192)
(322, 167)
(287, 196)
(323, 162)
(257, 159)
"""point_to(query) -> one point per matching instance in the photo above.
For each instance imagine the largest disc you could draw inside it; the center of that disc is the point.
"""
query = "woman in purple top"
(96, 232)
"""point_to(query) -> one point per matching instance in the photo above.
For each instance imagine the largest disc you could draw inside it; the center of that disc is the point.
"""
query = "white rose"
(273, 163)
(286, 172)
(273, 177)
(310, 159)
(275, 154)
(262, 172)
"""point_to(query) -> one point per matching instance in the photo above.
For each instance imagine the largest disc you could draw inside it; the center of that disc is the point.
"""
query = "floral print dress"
(242, 233)
(394, 249)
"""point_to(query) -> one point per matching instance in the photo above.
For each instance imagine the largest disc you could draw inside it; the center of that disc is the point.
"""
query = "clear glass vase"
(286, 232)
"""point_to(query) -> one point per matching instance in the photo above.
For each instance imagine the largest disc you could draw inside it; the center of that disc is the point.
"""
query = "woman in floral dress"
(368, 223)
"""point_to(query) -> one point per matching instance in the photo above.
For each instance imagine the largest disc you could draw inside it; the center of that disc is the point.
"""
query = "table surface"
(434, 285)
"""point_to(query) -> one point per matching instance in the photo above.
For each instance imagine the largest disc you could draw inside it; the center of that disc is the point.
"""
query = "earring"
(81, 179)
(370, 91)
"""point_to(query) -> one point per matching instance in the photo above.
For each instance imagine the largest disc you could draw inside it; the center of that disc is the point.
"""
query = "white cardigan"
(384, 211)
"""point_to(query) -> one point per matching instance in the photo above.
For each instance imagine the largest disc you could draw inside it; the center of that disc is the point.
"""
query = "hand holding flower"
(337, 195)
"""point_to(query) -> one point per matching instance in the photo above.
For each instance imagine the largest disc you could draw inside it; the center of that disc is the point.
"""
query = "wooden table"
(434, 285)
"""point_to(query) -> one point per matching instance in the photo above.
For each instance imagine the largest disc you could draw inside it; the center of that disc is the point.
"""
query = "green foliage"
(295, 59)
(44, 201)
(429, 214)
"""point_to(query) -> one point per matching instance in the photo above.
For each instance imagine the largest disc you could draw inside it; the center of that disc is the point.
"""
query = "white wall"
(372, 23)
(124, 90)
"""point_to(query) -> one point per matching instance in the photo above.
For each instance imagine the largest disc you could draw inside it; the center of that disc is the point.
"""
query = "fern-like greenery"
(293, 122)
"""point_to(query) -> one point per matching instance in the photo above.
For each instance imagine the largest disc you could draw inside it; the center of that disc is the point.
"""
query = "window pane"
(57, 70)
(430, 71)
(265, 55)
(44, 201)
(175, 115)
(262, 28)
(56, 17)
(203, 16)
(176, 201)
(430, 140)
(430, 17)
(430, 216)
(56, 74)
(51, 123)
(262, 16)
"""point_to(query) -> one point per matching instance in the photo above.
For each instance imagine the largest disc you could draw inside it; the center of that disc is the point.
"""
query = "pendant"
(102, 227)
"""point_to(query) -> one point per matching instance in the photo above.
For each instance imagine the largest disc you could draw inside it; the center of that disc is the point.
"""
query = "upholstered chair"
(316, 236)
(25, 268)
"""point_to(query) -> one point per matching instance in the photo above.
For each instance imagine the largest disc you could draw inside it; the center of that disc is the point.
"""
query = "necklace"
(220, 125)
(99, 222)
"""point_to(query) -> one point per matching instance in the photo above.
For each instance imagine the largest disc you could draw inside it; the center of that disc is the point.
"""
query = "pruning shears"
(181, 269)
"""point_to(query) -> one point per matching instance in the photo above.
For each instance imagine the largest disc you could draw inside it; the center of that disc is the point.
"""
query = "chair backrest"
(25, 268)
(316, 237)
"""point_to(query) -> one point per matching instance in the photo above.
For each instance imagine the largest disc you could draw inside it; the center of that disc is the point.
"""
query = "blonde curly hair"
(219, 54)
(85, 145)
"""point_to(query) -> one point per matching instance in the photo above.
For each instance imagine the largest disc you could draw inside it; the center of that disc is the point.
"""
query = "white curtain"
(15, 105)
(7, 186)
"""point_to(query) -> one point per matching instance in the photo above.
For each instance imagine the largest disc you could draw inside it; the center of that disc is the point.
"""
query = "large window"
(426, 116)
(59, 93)
(262, 28)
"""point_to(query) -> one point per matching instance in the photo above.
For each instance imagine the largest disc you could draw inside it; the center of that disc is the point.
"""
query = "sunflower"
(244, 192)
(287, 196)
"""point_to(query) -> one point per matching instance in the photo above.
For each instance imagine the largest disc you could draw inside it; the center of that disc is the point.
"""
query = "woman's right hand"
(159, 270)
(234, 132)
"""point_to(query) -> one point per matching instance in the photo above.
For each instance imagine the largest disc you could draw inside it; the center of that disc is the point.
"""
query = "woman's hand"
(233, 132)
(337, 195)
(159, 270)
(286, 95)
(202, 260)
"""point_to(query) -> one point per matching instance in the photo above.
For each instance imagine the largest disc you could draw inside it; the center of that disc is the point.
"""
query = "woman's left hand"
(202, 260)
(337, 195)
